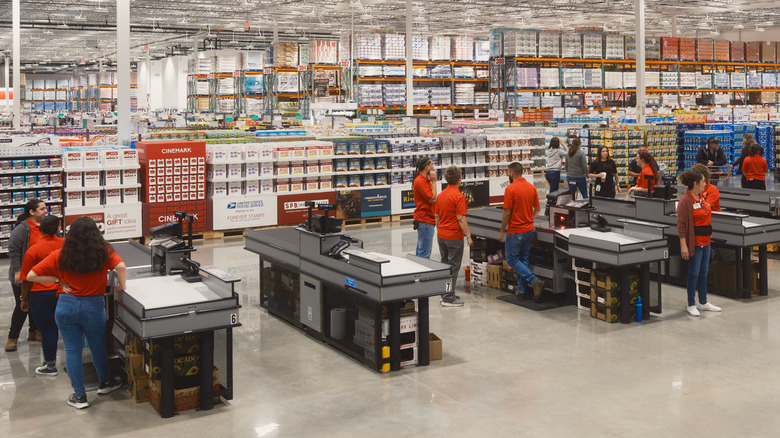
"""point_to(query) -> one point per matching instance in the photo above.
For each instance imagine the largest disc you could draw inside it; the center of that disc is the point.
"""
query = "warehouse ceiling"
(60, 34)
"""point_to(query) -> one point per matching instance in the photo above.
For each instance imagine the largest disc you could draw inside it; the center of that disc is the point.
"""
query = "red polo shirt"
(522, 198)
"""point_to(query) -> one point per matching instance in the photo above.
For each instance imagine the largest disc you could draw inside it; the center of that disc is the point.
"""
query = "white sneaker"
(708, 307)
(693, 311)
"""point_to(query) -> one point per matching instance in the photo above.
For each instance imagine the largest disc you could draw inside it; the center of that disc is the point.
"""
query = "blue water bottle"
(639, 309)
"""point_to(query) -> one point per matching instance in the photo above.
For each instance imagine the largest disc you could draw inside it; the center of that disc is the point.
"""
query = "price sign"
(303, 67)
(345, 63)
(268, 70)
(500, 61)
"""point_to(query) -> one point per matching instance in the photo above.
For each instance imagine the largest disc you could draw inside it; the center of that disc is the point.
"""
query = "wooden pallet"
(402, 217)
(367, 220)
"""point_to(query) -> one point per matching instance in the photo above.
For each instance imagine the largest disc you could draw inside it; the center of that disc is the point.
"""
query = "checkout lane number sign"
(349, 281)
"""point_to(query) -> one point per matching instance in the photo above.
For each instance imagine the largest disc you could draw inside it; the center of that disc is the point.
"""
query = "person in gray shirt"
(555, 156)
(577, 168)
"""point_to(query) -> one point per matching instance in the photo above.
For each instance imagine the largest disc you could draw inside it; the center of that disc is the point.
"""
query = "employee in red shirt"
(711, 193)
(40, 299)
(695, 229)
(521, 205)
(452, 227)
(755, 168)
(81, 267)
(424, 199)
(648, 177)
(25, 234)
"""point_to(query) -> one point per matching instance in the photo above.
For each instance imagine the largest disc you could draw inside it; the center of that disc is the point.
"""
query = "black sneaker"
(110, 386)
(78, 402)
(45, 370)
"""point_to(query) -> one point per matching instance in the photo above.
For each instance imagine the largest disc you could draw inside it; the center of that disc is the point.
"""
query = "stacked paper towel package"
(100, 176)
(368, 46)
(420, 48)
(258, 168)
(323, 52)
(395, 46)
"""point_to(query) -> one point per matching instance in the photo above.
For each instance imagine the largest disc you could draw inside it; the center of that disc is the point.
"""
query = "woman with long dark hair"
(747, 147)
(649, 177)
(81, 267)
(26, 233)
(755, 169)
(604, 171)
(695, 230)
(577, 168)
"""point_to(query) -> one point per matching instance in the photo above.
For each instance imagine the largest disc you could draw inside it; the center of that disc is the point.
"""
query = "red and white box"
(113, 196)
(312, 151)
(282, 169)
(326, 151)
(326, 166)
(282, 186)
(75, 199)
(130, 157)
(55, 194)
(113, 178)
(74, 179)
(110, 157)
(73, 159)
(297, 168)
(283, 153)
(91, 159)
(91, 198)
(130, 195)
(326, 183)
(312, 184)
(92, 179)
(297, 152)
(312, 167)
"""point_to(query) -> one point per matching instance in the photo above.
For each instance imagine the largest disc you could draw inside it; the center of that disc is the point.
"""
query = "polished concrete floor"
(506, 372)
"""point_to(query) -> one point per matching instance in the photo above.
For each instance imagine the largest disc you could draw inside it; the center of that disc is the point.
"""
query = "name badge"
(696, 206)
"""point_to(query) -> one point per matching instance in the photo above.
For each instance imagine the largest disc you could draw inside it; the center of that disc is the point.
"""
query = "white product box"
(326, 151)
(91, 198)
(266, 169)
(92, 179)
(312, 184)
(234, 170)
(283, 152)
(217, 171)
(216, 154)
(266, 186)
(326, 166)
(75, 199)
(74, 179)
(312, 151)
(252, 187)
(312, 167)
(110, 157)
(234, 188)
(113, 196)
(297, 185)
(297, 168)
(267, 151)
(251, 152)
(92, 159)
(217, 189)
(129, 157)
(282, 186)
(73, 159)
(326, 183)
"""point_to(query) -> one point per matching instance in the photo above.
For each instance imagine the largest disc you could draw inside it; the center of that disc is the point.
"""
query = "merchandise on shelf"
(705, 50)
(368, 46)
(571, 45)
(395, 46)
(615, 47)
(549, 44)
(440, 48)
(737, 50)
(481, 50)
(420, 48)
(687, 49)
(323, 52)
(753, 51)
(462, 48)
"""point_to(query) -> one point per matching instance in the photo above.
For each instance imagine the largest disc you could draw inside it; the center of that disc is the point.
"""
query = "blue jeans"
(518, 255)
(79, 318)
(42, 307)
(581, 183)
(425, 240)
(698, 266)
(553, 178)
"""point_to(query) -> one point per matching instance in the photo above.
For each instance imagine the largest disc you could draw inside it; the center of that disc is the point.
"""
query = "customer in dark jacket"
(712, 155)
(695, 230)
(26, 233)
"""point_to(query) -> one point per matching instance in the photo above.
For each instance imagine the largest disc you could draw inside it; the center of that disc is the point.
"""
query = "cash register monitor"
(324, 224)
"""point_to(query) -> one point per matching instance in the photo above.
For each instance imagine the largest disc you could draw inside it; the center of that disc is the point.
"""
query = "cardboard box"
(494, 275)
(434, 347)
(134, 364)
(91, 198)
(608, 314)
(139, 389)
(183, 399)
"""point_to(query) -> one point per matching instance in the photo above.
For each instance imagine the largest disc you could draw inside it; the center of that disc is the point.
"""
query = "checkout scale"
(572, 229)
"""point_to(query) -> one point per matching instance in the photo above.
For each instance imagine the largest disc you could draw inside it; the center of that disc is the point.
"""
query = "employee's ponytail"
(31, 205)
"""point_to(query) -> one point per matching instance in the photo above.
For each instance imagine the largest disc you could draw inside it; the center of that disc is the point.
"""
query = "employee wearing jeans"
(424, 188)
(452, 228)
(81, 267)
(521, 205)
(695, 229)
(40, 299)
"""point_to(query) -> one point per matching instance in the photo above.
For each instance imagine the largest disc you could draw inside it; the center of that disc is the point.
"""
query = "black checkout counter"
(565, 234)
(161, 307)
(734, 231)
(329, 286)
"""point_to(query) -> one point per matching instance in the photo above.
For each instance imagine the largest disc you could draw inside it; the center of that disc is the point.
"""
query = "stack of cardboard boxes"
(365, 334)
(143, 368)
(605, 294)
